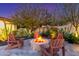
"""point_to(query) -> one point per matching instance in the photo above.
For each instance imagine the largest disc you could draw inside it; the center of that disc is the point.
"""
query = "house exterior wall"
(9, 26)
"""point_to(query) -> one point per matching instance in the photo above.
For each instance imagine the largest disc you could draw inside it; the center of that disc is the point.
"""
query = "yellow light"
(9, 27)
(1, 24)
(40, 38)
(53, 34)
(76, 34)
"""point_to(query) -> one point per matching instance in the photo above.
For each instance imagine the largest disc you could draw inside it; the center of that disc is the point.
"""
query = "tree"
(71, 13)
(31, 18)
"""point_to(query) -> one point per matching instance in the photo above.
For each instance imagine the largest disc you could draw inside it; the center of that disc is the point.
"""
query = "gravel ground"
(70, 50)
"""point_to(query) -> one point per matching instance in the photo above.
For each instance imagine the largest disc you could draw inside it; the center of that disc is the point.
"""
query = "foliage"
(23, 33)
(31, 18)
(70, 37)
(71, 13)
(29, 35)
(4, 34)
(51, 32)
(45, 34)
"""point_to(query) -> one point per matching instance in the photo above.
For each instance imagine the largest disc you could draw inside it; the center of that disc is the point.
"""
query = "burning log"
(39, 40)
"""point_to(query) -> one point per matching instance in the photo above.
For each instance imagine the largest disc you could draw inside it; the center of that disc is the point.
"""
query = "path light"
(76, 34)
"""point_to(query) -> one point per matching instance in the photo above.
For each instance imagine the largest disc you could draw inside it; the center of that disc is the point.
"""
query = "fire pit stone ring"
(36, 46)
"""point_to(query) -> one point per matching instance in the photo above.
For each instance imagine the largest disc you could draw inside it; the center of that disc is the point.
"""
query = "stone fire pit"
(36, 45)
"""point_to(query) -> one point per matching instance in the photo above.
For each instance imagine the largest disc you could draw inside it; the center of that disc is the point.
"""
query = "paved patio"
(71, 50)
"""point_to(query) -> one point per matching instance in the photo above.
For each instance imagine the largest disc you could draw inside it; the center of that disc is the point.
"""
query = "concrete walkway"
(71, 50)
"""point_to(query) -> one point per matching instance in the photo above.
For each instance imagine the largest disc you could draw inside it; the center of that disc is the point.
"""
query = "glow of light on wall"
(9, 27)
(1, 24)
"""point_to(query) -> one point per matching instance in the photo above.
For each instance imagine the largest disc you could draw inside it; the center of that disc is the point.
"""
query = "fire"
(39, 40)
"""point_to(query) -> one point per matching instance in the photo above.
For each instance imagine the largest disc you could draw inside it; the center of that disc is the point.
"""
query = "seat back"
(36, 34)
(11, 37)
(59, 41)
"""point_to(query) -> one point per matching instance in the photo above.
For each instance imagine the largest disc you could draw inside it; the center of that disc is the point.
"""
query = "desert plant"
(23, 33)
(70, 37)
(48, 33)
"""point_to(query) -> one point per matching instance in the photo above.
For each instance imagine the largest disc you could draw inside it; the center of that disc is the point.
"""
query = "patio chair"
(54, 47)
(36, 34)
(13, 42)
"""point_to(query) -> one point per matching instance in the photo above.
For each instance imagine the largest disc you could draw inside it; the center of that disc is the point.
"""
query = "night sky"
(7, 9)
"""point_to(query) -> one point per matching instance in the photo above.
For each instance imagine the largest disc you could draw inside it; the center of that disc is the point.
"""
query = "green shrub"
(53, 32)
(70, 37)
(29, 35)
(76, 40)
(23, 33)
(45, 34)
(48, 33)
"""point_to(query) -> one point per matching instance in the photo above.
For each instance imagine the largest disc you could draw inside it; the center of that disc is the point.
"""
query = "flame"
(39, 40)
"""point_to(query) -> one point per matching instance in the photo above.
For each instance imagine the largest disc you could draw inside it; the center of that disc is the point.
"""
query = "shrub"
(70, 37)
(23, 33)
(76, 40)
(29, 35)
(45, 34)
(53, 32)
(49, 32)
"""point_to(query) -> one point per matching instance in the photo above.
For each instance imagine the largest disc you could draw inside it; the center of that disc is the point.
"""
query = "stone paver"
(70, 49)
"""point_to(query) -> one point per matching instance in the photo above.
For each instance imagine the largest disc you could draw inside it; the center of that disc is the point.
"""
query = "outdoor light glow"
(1, 24)
(53, 34)
(76, 34)
(9, 27)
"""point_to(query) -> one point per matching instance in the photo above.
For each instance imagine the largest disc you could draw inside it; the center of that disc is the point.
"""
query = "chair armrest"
(11, 41)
